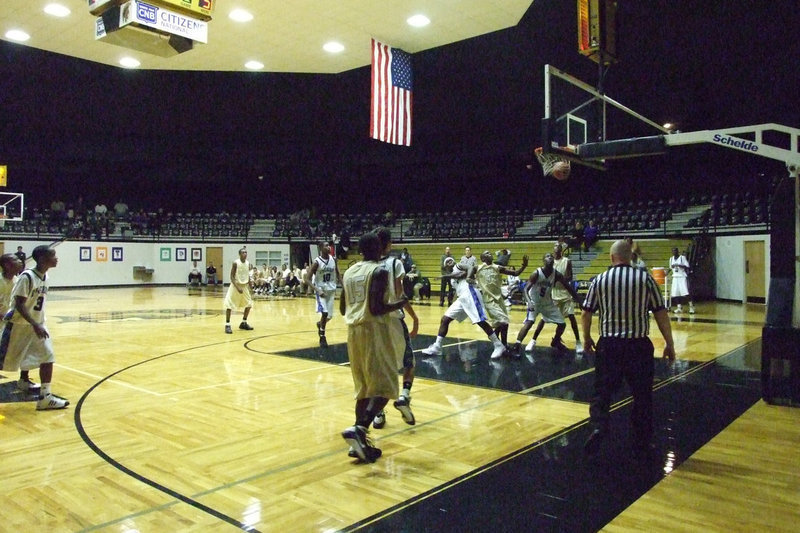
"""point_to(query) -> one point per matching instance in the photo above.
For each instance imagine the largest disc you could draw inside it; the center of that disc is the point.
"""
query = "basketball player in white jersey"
(239, 295)
(490, 281)
(468, 304)
(405, 358)
(26, 342)
(561, 297)
(540, 302)
(372, 342)
(12, 265)
(679, 292)
(323, 277)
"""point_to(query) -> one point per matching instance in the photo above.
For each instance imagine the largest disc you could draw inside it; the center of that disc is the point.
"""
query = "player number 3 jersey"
(33, 287)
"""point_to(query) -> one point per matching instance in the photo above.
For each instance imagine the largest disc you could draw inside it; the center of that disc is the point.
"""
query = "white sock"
(406, 393)
(45, 389)
(439, 341)
(227, 323)
(495, 340)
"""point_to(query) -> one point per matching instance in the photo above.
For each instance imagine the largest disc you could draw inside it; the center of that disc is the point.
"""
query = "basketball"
(561, 170)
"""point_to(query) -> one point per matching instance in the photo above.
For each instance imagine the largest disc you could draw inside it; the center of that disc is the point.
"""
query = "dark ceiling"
(201, 140)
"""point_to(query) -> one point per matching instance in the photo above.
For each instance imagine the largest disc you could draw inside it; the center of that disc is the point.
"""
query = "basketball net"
(549, 161)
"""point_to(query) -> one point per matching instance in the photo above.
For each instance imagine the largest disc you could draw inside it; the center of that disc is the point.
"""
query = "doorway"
(754, 272)
(214, 255)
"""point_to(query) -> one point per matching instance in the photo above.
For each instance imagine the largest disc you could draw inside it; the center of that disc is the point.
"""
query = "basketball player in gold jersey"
(372, 344)
(239, 295)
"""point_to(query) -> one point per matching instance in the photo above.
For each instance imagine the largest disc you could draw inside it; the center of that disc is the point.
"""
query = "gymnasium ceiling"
(282, 38)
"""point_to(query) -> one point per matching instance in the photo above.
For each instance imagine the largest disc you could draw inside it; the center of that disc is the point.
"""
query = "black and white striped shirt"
(623, 295)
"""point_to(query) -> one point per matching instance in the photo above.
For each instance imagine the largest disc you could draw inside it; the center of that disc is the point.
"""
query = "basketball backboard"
(12, 206)
(577, 114)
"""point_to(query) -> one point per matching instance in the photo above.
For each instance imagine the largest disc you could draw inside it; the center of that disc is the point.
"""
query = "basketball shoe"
(531, 345)
(51, 402)
(380, 420)
(403, 404)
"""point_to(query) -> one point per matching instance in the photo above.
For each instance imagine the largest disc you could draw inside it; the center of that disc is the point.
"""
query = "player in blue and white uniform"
(538, 292)
(323, 277)
(468, 304)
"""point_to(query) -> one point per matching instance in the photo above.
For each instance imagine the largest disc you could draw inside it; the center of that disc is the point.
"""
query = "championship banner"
(164, 20)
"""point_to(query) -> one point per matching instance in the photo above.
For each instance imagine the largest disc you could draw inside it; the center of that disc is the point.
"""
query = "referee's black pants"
(631, 359)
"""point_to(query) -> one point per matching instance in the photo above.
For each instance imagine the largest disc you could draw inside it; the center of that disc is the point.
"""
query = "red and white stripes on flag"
(390, 117)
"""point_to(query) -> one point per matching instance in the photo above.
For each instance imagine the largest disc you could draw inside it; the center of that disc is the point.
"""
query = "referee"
(623, 295)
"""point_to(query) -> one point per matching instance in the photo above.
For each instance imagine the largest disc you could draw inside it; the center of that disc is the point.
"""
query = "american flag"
(390, 118)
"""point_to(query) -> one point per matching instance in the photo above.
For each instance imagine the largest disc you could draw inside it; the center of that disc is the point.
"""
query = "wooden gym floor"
(175, 426)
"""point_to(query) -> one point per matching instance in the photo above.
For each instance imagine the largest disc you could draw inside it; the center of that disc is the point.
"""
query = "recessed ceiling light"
(254, 65)
(418, 21)
(333, 47)
(129, 62)
(57, 10)
(240, 15)
(17, 35)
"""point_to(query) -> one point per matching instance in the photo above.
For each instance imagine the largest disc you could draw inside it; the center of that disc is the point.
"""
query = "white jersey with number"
(325, 276)
(540, 292)
(33, 287)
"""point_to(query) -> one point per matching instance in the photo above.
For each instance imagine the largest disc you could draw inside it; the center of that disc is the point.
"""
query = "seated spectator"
(425, 290)
(195, 277)
(576, 237)
(211, 275)
(121, 210)
(412, 283)
(591, 234)
(292, 283)
(405, 258)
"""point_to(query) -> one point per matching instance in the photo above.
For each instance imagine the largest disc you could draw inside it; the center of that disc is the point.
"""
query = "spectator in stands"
(211, 275)
(100, 209)
(121, 210)
(591, 234)
(195, 277)
(575, 240)
(286, 273)
(412, 283)
(58, 211)
(21, 256)
(405, 258)
(446, 289)
(292, 283)
(344, 244)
